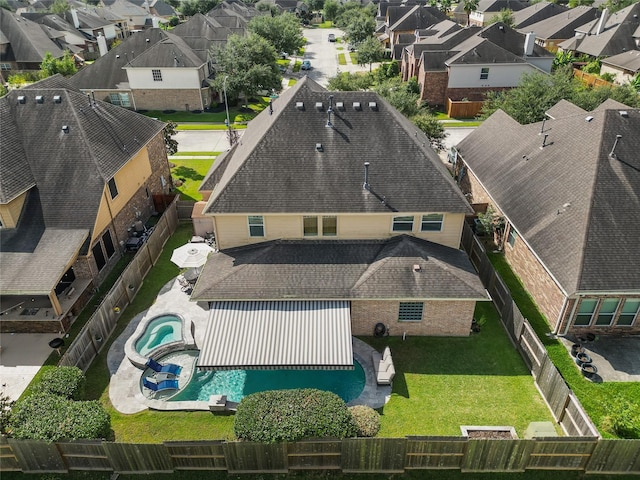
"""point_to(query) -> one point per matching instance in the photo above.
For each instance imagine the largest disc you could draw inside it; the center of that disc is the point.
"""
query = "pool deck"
(125, 390)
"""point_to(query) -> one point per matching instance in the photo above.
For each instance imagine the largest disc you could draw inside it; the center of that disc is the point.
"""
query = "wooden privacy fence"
(463, 109)
(564, 406)
(591, 80)
(184, 208)
(97, 330)
(589, 455)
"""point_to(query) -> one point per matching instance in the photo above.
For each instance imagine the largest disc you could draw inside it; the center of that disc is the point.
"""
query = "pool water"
(236, 384)
(161, 330)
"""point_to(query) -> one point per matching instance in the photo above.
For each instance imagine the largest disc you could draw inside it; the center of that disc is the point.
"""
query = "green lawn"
(342, 59)
(236, 113)
(354, 58)
(196, 154)
(596, 398)
(209, 126)
(292, 82)
(191, 171)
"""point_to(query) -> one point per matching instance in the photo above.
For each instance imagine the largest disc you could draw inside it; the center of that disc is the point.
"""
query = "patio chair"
(185, 285)
(171, 368)
(158, 387)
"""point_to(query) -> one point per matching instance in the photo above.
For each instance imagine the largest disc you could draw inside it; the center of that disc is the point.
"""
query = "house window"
(607, 311)
(410, 312)
(629, 312)
(484, 73)
(329, 226)
(403, 224)
(5, 67)
(157, 75)
(585, 312)
(256, 225)
(310, 226)
(113, 189)
(98, 255)
(431, 222)
(513, 236)
(108, 244)
(120, 99)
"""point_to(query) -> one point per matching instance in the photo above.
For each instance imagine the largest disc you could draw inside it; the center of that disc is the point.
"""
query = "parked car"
(306, 65)
(332, 37)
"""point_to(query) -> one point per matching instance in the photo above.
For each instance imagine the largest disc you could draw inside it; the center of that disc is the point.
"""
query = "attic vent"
(300, 105)
(319, 147)
(117, 56)
(357, 106)
(340, 106)
(319, 106)
(373, 106)
(65, 128)
(588, 119)
(39, 99)
(624, 113)
(22, 99)
(416, 268)
(57, 99)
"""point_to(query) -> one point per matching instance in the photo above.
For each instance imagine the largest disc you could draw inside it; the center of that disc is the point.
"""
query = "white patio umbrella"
(191, 255)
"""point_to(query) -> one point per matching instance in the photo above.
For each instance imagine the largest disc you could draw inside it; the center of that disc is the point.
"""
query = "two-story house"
(568, 191)
(333, 214)
(76, 175)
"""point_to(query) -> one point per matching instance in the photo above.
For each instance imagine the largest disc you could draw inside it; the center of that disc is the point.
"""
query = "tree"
(402, 95)
(249, 64)
(369, 51)
(331, 9)
(576, 3)
(65, 66)
(350, 82)
(191, 7)
(265, 7)
(443, 5)
(170, 144)
(314, 5)
(505, 16)
(469, 6)
(60, 6)
(432, 128)
(360, 26)
(282, 31)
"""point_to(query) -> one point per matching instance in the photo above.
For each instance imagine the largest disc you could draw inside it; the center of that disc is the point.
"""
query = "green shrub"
(67, 382)
(366, 419)
(47, 417)
(623, 419)
(290, 415)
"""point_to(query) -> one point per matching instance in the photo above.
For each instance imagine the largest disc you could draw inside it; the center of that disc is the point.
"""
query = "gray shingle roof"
(536, 13)
(29, 43)
(497, 5)
(171, 51)
(563, 25)
(629, 61)
(418, 17)
(332, 270)
(276, 167)
(574, 204)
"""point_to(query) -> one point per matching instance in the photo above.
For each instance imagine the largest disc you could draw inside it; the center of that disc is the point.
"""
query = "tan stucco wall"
(10, 212)
(439, 318)
(233, 231)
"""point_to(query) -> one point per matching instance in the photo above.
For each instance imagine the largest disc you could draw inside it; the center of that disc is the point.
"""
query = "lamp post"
(231, 134)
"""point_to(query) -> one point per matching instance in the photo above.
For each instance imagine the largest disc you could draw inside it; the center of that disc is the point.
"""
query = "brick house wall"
(439, 318)
(181, 100)
(433, 87)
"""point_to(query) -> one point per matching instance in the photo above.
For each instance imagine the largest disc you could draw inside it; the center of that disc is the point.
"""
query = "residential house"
(608, 35)
(402, 22)
(465, 64)
(624, 66)
(233, 14)
(552, 31)
(89, 22)
(349, 222)
(567, 189)
(486, 11)
(126, 13)
(72, 39)
(156, 8)
(23, 44)
(76, 175)
(536, 13)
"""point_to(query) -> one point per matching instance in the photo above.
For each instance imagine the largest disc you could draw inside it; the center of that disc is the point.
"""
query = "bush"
(47, 417)
(290, 415)
(366, 419)
(624, 419)
(67, 382)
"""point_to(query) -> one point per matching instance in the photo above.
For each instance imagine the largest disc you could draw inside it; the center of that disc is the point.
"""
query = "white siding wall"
(178, 78)
(500, 75)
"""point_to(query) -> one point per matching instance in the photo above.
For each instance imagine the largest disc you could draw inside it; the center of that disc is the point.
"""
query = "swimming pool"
(159, 331)
(236, 384)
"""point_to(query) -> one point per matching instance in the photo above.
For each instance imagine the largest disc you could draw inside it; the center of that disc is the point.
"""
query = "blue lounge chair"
(158, 387)
(171, 368)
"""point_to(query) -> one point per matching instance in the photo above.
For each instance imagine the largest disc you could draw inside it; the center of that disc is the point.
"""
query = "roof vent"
(319, 106)
(22, 99)
(57, 99)
(340, 106)
(373, 106)
(357, 106)
(117, 56)
(624, 113)
(39, 99)
(65, 128)
(300, 105)
(319, 147)
(416, 267)
(588, 119)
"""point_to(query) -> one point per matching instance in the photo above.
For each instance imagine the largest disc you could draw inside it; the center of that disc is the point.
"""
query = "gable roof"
(171, 51)
(629, 61)
(28, 42)
(572, 202)
(491, 6)
(202, 33)
(348, 269)
(563, 25)
(537, 12)
(276, 167)
(417, 17)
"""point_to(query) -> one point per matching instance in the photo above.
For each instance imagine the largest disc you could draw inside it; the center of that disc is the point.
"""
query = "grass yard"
(208, 126)
(292, 82)
(598, 399)
(342, 59)
(191, 171)
(354, 58)
(196, 154)
(236, 113)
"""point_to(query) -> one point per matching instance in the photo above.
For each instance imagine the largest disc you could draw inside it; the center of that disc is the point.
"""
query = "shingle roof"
(418, 17)
(497, 5)
(536, 13)
(332, 270)
(563, 25)
(171, 51)
(629, 61)
(573, 203)
(276, 167)
(88, 18)
(29, 43)
(564, 108)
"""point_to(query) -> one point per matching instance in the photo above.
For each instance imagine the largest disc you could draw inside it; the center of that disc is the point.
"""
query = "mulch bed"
(489, 434)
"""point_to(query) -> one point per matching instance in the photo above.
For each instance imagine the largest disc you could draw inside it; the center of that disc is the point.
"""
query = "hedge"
(366, 419)
(67, 382)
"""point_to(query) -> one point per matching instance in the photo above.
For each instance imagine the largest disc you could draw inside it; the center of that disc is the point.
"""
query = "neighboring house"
(624, 66)
(608, 35)
(157, 70)
(554, 30)
(536, 13)
(486, 11)
(23, 44)
(89, 22)
(468, 63)
(156, 8)
(354, 216)
(402, 22)
(568, 191)
(76, 175)
(70, 37)
(123, 12)
(233, 14)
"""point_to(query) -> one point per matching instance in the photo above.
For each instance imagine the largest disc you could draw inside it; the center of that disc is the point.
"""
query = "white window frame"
(402, 220)
(607, 315)
(410, 311)
(306, 218)
(432, 219)
(324, 233)
(255, 225)
(591, 313)
(512, 237)
(635, 315)
(484, 73)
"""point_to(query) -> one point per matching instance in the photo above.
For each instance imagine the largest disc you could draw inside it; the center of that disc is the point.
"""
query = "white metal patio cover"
(278, 334)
